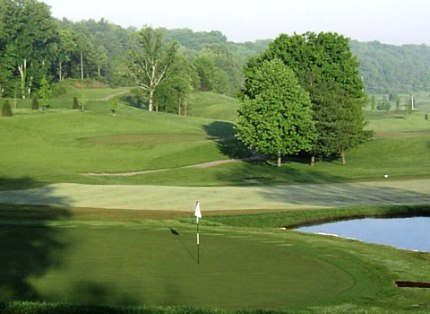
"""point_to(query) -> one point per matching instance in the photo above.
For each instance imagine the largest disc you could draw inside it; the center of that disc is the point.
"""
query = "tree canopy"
(275, 115)
(328, 71)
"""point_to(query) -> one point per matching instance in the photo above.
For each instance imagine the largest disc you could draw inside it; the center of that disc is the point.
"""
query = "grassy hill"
(214, 106)
(61, 145)
(86, 256)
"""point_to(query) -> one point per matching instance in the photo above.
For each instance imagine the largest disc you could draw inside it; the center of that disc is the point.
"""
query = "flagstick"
(198, 241)
(198, 215)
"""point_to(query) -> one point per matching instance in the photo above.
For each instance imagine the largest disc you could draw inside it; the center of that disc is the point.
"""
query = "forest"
(38, 52)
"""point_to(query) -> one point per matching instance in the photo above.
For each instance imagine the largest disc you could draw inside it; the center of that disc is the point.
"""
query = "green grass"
(214, 106)
(60, 144)
(119, 258)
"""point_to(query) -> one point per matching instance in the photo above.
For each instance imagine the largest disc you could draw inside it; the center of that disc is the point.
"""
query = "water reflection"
(403, 233)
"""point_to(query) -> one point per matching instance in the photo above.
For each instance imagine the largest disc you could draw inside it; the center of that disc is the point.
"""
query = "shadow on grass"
(223, 133)
(33, 244)
(346, 194)
(261, 172)
(27, 244)
(18, 183)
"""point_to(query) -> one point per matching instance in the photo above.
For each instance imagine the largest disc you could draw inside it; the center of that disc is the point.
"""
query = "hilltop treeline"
(38, 51)
(393, 69)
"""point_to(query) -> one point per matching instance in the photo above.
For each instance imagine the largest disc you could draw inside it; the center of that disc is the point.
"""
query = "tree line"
(38, 52)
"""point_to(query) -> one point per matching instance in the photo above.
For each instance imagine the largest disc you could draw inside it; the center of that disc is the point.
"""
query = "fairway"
(387, 192)
(98, 264)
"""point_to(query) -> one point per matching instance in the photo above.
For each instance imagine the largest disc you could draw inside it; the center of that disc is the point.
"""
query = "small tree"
(398, 101)
(115, 105)
(75, 103)
(6, 109)
(384, 104)
(35, 103)
(45, 91)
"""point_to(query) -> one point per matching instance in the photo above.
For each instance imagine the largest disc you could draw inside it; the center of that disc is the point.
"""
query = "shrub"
(35, 103)
(75, 103)
(6, 109)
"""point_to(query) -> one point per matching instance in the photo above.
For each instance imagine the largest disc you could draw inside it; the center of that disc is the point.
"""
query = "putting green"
(132, 264)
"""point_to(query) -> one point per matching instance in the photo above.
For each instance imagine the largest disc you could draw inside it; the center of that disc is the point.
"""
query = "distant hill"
(393, 69)
(385, 68)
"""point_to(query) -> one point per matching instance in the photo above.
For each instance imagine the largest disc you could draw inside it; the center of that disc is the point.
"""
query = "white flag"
(197, 211)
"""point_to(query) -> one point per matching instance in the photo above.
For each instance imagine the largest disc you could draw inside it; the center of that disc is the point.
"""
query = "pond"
(403, 233)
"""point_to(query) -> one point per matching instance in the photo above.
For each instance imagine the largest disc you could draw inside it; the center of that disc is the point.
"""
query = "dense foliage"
(275, 116)
(38, 51)
(327, 70)
(393, 69)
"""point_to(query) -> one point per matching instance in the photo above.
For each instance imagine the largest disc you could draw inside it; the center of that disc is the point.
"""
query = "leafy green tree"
(6, 109)
(398, 101)
(275, 114)
(64, 50)
(26, 43)
(115, 105)
(151, 61)
(384, 104)
(328, 71)
(45, 90)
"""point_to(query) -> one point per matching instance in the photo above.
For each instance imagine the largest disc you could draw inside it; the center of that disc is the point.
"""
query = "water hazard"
(403, 233)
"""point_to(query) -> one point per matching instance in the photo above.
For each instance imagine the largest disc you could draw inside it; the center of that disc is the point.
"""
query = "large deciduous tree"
(275, 114)
(27, 36)
(326, 69)
(151, 61)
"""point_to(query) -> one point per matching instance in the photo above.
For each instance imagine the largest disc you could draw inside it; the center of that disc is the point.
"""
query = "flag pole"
(198, 215)
(198, 241)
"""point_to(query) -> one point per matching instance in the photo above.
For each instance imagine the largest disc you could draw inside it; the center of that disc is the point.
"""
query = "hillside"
(393, 69)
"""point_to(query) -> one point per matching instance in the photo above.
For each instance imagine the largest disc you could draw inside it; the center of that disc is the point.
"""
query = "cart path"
(200, 165)
(138, 197)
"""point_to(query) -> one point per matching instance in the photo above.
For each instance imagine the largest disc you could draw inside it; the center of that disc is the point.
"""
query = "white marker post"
(198, 215)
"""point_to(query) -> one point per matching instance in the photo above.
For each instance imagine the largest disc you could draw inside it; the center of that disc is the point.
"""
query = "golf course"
(97, 214)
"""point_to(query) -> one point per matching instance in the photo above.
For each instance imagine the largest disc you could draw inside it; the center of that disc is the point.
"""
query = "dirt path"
(225, 198)
(135, 173)
(110, 97)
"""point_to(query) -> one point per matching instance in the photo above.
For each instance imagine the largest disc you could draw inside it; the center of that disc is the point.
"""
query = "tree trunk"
(23, 73)
(342, 155)
(279, 159)
(151, 99)
(82, 66)
(60, 72)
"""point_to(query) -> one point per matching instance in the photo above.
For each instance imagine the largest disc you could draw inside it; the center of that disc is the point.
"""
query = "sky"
(388, 21)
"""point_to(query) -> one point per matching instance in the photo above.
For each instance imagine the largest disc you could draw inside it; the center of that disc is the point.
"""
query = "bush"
(59, 89)
(35, 103)
(6, 109)
(75, 103)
